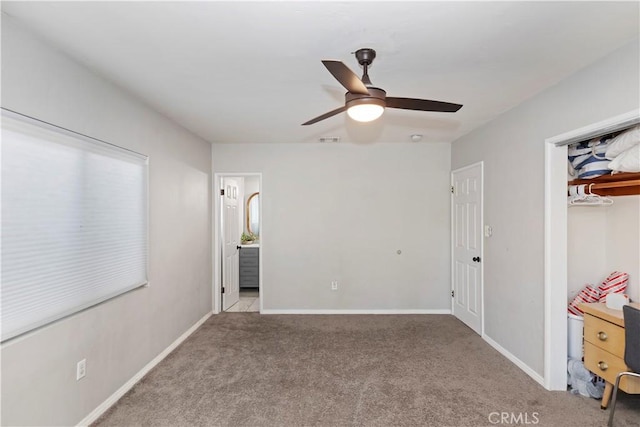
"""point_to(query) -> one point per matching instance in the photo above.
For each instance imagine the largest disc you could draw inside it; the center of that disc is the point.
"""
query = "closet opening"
(560, 254)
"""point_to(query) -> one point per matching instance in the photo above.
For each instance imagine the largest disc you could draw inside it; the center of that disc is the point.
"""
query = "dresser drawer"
(248, 281)
(248, 271)
(604, 335)
(608, 366)
(249, 252)
(248, 261)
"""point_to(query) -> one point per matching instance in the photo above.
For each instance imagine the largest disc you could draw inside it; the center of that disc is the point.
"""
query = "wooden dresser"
(604, 347)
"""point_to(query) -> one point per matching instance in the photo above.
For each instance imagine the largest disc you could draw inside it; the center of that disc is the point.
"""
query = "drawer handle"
(603, 365)
(602, 336)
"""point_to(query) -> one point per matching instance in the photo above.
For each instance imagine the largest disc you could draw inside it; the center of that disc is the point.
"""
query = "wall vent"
(330, 139)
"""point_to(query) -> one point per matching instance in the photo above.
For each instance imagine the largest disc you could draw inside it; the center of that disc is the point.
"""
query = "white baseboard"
(349, 311)
(96, 413)
(519, 363)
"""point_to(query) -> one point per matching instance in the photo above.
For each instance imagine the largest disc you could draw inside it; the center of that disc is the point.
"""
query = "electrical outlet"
(334, 285)
(81, 369)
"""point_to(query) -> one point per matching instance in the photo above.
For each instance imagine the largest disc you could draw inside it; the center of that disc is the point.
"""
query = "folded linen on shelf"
(627, 161)
(588, 158)
(623, 142)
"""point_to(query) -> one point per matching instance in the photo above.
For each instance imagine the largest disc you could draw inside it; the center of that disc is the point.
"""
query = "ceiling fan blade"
(346, 77)
(325, 116)
(422, 105)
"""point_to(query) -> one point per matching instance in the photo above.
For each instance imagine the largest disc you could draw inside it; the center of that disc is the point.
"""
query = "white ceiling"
(251, 72)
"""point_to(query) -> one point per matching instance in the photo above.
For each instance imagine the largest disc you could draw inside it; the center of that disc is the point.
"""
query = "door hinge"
(222, 191)
(223, 289)
(453, 190)
(452, 294)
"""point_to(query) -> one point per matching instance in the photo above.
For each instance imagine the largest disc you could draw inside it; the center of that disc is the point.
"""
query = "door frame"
(452, 266)
(555, 243)
(216, 239)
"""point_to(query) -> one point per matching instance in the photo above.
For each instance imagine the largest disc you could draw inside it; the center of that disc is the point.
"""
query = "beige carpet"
(244, 369)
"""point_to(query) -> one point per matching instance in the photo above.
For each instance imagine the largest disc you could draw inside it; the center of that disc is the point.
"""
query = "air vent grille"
(330, 139)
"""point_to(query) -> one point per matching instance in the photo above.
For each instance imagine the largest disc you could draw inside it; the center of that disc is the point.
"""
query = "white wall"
(340, 212)
(602, 240)
(122, 335)
(512, 147)
(586, 247)
(623, 241)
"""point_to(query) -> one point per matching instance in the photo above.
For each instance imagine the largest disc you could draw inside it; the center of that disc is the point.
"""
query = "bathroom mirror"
(253, 214)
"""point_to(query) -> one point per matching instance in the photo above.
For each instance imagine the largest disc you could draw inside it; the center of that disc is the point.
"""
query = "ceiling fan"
(364, 102)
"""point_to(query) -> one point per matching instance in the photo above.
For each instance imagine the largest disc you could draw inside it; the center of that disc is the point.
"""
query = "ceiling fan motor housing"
(365, 56)
(376, 97)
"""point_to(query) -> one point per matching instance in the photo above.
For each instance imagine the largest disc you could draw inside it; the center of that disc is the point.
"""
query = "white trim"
(555, 268)
(261, 251)
(452, 219)
(356, 311)
(519, 363)
(555, 244)
(464, 168)
(593, 130)
(102, 408)
(482, 246)
(215, 230)
(217, 206)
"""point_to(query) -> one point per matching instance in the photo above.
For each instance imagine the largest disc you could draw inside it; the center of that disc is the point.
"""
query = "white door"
(466, 239)
(231, 238)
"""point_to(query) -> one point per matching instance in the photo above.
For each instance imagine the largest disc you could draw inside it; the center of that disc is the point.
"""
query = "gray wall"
(121, 336)
(512, 148)
(340, 212)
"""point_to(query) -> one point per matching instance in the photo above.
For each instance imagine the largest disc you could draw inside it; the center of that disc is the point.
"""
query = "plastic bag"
(582, 381)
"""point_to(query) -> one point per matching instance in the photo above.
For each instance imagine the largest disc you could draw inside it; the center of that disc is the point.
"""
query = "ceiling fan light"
(365, 112)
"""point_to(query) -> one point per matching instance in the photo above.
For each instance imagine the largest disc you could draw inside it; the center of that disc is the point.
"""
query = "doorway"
(555, 246)
(467, 293)
(237, 243)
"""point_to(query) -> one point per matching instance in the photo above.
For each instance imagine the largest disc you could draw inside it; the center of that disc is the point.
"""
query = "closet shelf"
(620, 184)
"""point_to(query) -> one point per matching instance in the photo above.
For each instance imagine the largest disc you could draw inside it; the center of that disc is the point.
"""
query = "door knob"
(476, 259)
(238, 247)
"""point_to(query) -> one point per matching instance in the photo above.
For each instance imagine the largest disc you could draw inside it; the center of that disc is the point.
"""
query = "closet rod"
(615, 184)
(622, 184)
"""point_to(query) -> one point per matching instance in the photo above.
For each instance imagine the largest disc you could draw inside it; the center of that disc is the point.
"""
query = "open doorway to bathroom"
(237, 243)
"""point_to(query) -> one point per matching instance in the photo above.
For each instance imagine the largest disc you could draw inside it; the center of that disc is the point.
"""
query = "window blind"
(74, 223)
